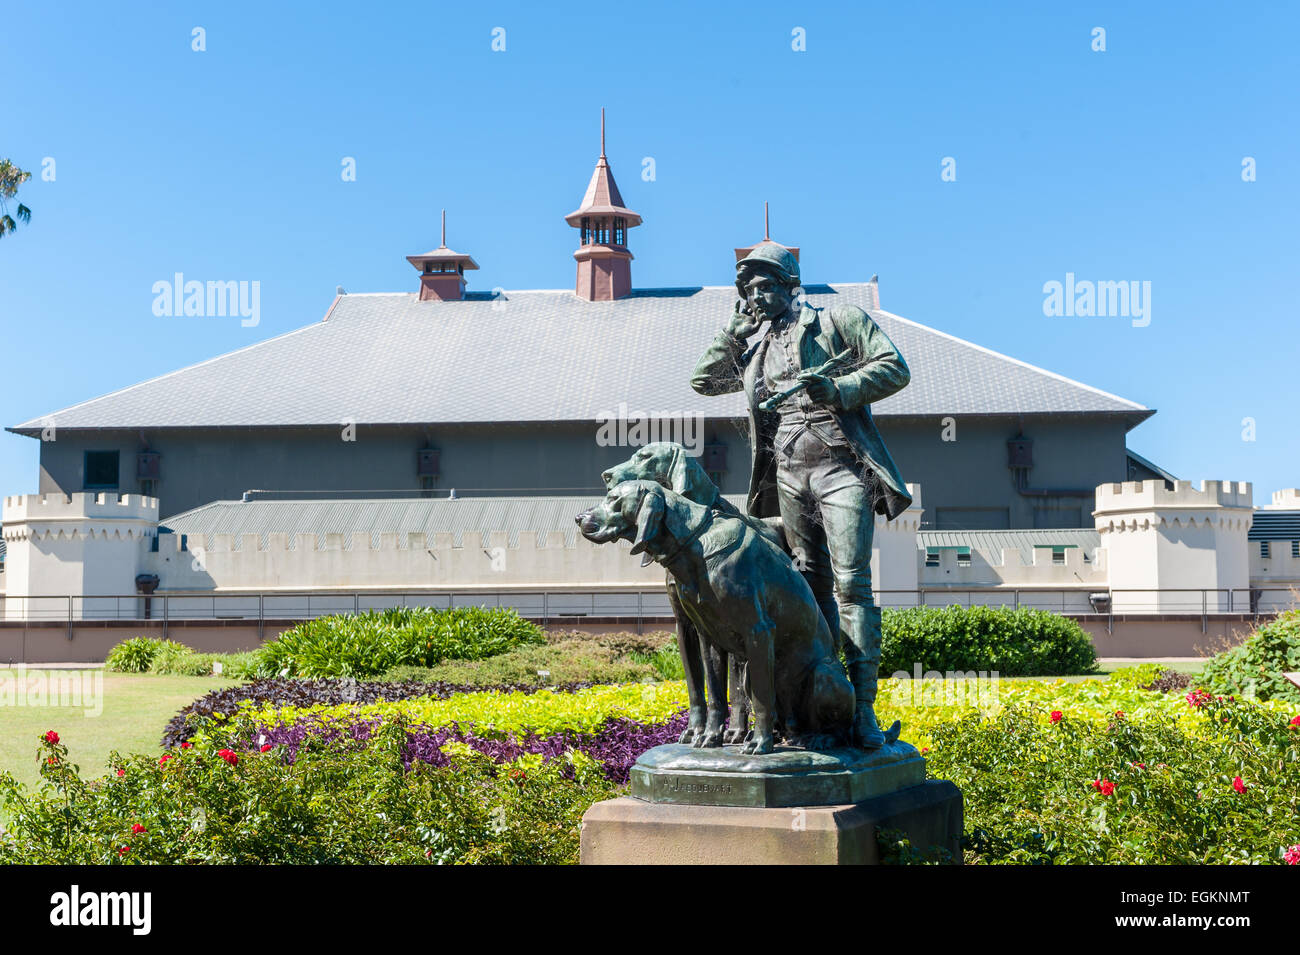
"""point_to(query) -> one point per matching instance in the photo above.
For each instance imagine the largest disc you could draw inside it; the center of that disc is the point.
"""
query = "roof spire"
(767, 237)
(442, 271)
(602, 132)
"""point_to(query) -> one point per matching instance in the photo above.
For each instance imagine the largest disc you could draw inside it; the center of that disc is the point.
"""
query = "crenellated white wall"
(80, 544)
(1165, 539)
(1152, 539)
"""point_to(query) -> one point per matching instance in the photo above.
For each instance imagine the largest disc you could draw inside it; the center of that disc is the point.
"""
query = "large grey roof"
(391, 515)
(540, 356)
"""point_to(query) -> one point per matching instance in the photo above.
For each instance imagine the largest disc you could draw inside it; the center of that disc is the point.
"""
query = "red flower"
(1238, 785)
(52, 761)
(187, 745)
(52, 738)
(1056, 716)
(228, 755)
(1292, 856)
(518, 775)
(162, 760)
(137, 829)
(1119, 714)
(1295, 721)
(1107, 787)
(1198, 697)
(266, 748)
(124, 850)
(1140, 765)
(925, 749)
(121, 772)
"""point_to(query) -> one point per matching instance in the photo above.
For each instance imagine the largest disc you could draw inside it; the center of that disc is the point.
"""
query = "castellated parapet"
(79, 544)
(1186, 537)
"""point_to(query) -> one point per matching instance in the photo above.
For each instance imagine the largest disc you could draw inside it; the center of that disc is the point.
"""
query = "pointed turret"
(604, 262)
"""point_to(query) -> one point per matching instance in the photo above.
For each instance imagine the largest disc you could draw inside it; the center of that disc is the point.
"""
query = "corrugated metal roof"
(1270, 525)
(386, 516)
(990, 544)
(540, 356)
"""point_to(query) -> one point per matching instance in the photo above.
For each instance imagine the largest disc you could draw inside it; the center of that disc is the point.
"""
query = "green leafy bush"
(331, 805)
(1255, 667)
(134, 655)
(1013, 642)
(1043, 787)
(666, 662)
(368, 644)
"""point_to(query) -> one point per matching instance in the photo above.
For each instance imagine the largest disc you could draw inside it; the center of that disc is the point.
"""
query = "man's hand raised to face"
(743, 322)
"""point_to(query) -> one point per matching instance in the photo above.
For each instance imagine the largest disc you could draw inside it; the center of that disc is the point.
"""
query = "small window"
(1295, 548)
(101, 470)
(931, 557)
(1058, 555)
(1263, 549)
(963, 557)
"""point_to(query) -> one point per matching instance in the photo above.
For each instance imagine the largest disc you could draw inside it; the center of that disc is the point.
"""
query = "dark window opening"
(101, 470)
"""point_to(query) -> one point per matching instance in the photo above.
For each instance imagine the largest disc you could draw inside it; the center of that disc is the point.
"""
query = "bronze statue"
(818, 460)
(744, 597)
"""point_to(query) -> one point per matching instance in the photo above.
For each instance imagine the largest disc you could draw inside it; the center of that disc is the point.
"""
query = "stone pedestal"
(793, 807)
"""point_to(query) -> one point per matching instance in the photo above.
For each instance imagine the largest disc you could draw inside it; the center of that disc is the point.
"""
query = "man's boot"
(864, 656)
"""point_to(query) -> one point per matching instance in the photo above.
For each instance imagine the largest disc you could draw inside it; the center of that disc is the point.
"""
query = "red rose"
(52, 738)
(1295, 721)
(121, 772)
(1107, 787)
(1056, 716)
(124, 850)
(228, 755)
(162, 760)
(1238, 785)
(1292, 856)
(137, 829)
(187, 745)
(266, 748)
(51, 760)
(1096, 784)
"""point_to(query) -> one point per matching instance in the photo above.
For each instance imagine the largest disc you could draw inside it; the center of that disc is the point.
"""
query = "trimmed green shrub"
(1013, 642)
(368, 644)
(666, 661)
(1255, 667)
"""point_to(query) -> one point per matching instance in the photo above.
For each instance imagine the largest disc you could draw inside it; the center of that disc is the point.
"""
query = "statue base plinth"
(723, 776)
(630, 831)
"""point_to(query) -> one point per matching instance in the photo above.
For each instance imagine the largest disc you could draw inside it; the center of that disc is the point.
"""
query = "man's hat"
(774, 256)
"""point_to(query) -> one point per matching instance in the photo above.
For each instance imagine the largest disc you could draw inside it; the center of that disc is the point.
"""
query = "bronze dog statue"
(745, 597)
(706, 667)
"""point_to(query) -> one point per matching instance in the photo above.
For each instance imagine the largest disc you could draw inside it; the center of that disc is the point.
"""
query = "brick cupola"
(442, 271)
(604, 262)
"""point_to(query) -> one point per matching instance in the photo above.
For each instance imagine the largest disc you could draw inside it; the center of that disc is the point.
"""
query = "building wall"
(967, 481)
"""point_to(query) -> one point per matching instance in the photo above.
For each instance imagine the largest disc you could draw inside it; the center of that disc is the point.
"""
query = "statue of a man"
(818, 460)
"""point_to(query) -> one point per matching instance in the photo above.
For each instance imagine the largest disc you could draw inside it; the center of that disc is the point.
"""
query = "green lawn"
(136, 707)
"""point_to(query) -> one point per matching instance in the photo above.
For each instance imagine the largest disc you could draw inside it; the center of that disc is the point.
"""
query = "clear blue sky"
(225, 164)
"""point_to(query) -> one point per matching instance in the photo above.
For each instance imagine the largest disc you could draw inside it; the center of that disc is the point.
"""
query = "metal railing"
(624, 604)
